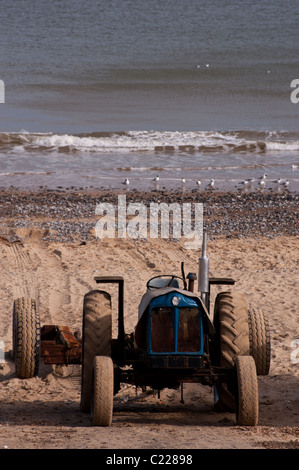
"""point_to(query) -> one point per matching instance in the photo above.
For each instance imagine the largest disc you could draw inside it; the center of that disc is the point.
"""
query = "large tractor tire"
(102, 391)
(247, 402)
(259, 340)
(96, 338)
(26, 338)
(232, 330)
(231, 341)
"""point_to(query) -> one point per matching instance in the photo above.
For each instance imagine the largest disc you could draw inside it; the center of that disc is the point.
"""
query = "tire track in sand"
(40, 274)
(23, 267)
(54, 285)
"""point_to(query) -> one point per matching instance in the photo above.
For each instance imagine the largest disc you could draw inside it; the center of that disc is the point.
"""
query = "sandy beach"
(48, 251)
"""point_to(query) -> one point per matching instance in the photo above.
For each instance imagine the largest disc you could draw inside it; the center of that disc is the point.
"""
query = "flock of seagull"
(245, 183)
(262, 181)
(183, 181)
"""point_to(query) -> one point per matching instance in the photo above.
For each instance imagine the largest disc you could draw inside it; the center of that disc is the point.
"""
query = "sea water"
(99, 91)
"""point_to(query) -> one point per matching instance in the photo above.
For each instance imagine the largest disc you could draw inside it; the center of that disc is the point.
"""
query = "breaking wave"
(151, 141)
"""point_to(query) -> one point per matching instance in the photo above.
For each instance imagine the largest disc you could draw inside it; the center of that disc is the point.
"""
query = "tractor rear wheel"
(231, 324)
(247, 404)
(96, 338)
(259, 339)
(26, 337)
(102, 391)
(231, 340)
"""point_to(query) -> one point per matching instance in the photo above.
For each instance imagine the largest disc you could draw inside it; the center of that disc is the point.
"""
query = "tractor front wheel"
(102, 391)
(247, 403)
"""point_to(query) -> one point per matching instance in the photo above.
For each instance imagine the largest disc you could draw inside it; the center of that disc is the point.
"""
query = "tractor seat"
(161, 283)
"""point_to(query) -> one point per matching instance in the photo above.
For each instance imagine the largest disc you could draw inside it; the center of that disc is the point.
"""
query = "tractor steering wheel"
(172, 277)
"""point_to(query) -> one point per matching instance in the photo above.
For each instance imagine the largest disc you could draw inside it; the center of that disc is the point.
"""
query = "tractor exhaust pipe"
(203, 271)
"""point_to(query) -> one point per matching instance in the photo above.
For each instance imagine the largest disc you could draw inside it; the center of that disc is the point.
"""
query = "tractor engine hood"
(152, 294)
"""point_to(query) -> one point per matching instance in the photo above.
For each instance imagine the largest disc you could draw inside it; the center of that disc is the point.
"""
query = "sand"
(43, 412)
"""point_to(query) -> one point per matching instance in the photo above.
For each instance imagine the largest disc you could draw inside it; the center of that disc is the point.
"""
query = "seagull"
(285, 183)
(126, 181)
(277, 181)
(157, 178)
(262, 183)
(183, 181)
(263, 178)
(294, 167)
(211, 184)
(244, 182)
(250, 180)
(198, 183)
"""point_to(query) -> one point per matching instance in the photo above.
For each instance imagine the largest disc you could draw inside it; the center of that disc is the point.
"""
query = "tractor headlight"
(175, 301)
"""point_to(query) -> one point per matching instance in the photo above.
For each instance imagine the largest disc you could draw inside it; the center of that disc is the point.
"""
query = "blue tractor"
(176, 340)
